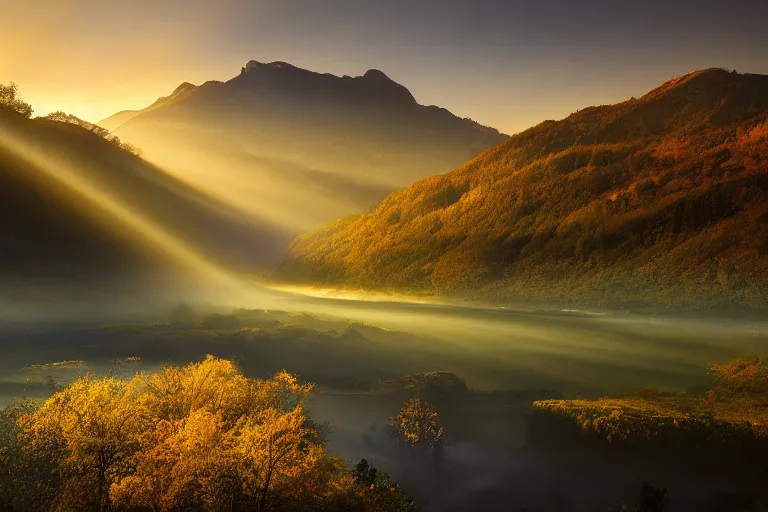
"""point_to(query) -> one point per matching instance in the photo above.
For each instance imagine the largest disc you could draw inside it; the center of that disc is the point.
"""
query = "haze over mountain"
(79, 214)
(298, 147)
(661, 199)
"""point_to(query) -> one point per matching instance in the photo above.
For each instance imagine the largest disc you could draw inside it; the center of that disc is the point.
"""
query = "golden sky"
(505, 63)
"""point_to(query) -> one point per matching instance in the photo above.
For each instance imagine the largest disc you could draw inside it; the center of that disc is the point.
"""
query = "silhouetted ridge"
(327, 145)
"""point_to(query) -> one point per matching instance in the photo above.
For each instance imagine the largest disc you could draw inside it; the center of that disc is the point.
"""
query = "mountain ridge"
(57, 236)
(298, 146)
(661, 199)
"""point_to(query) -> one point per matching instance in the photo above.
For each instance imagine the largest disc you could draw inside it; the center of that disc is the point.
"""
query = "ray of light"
(148, 231)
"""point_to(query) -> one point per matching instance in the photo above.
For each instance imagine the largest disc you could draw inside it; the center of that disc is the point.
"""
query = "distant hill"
(116, 120)
(76, 210)
(660, 200)
(297, 146)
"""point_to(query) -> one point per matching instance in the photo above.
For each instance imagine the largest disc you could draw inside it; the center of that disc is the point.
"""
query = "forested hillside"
(658, 200)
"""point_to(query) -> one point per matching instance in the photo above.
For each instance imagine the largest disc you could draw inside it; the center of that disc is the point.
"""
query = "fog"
(375, 338)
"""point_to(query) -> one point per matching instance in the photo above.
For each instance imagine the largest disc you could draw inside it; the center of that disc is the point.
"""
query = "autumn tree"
(9, 99)
(418, 425)
(185, 464)
(276, 447)
(92, 426)
(202, 437)
(742, 375)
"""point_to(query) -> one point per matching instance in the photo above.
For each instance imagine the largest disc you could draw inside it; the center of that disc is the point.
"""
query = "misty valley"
(235, 285)
(500, 380)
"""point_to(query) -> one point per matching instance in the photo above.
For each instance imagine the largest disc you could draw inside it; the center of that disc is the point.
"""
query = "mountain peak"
(375, 74)
(186, 86)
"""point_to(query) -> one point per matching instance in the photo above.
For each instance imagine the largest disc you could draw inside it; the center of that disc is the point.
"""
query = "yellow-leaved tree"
(202, 437)
(91, 428)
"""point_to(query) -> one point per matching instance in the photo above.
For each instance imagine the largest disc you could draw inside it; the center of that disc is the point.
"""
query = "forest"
(656, 203)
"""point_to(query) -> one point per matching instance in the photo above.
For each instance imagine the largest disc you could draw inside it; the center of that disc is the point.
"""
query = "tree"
(92, 425)
(380, 493)
(9, 99)
(436, 387)
(276, 446)
(202, 437)
(744, 375)
(63, 117)
(417, 424)
(186, 464)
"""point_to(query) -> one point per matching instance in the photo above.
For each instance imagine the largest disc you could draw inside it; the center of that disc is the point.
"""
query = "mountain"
(300, 147)
(79, 213)
(660, 200)
(114, 121)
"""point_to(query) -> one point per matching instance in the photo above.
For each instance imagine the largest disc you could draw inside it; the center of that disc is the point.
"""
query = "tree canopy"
(202, 437)
(9, 99)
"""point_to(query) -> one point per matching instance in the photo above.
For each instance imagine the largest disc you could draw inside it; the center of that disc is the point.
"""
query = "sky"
(509, 64)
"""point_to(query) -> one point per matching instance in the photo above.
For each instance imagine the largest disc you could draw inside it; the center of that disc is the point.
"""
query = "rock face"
(662, 199)
(299, 146)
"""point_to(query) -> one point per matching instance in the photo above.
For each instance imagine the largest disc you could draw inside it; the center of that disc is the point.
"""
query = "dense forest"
(658, 200)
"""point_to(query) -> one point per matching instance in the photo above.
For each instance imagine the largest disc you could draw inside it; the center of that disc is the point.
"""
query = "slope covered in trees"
(301, 146)
(661, 199)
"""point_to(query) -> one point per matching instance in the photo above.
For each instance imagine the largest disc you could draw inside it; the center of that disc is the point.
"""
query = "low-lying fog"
(366, 341)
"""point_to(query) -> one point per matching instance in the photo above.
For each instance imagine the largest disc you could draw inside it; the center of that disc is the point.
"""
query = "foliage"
(418, 425)
(63, 117)
(198, 438)
(9, 99)
(433, 386)
(733, 415)
(743, 375)
(663, 199)
(381, 493)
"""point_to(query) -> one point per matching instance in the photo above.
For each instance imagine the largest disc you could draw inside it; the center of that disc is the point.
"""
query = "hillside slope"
(301, 147)
(76, 210)
(662, 199)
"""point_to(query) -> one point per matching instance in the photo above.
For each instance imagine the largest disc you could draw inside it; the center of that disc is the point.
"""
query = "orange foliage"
(661, 199)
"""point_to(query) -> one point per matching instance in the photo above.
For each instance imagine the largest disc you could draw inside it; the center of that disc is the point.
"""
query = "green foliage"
(9, 99)
(659, 200)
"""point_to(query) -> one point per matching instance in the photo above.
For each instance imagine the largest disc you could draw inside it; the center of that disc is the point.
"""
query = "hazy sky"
(505, 63)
